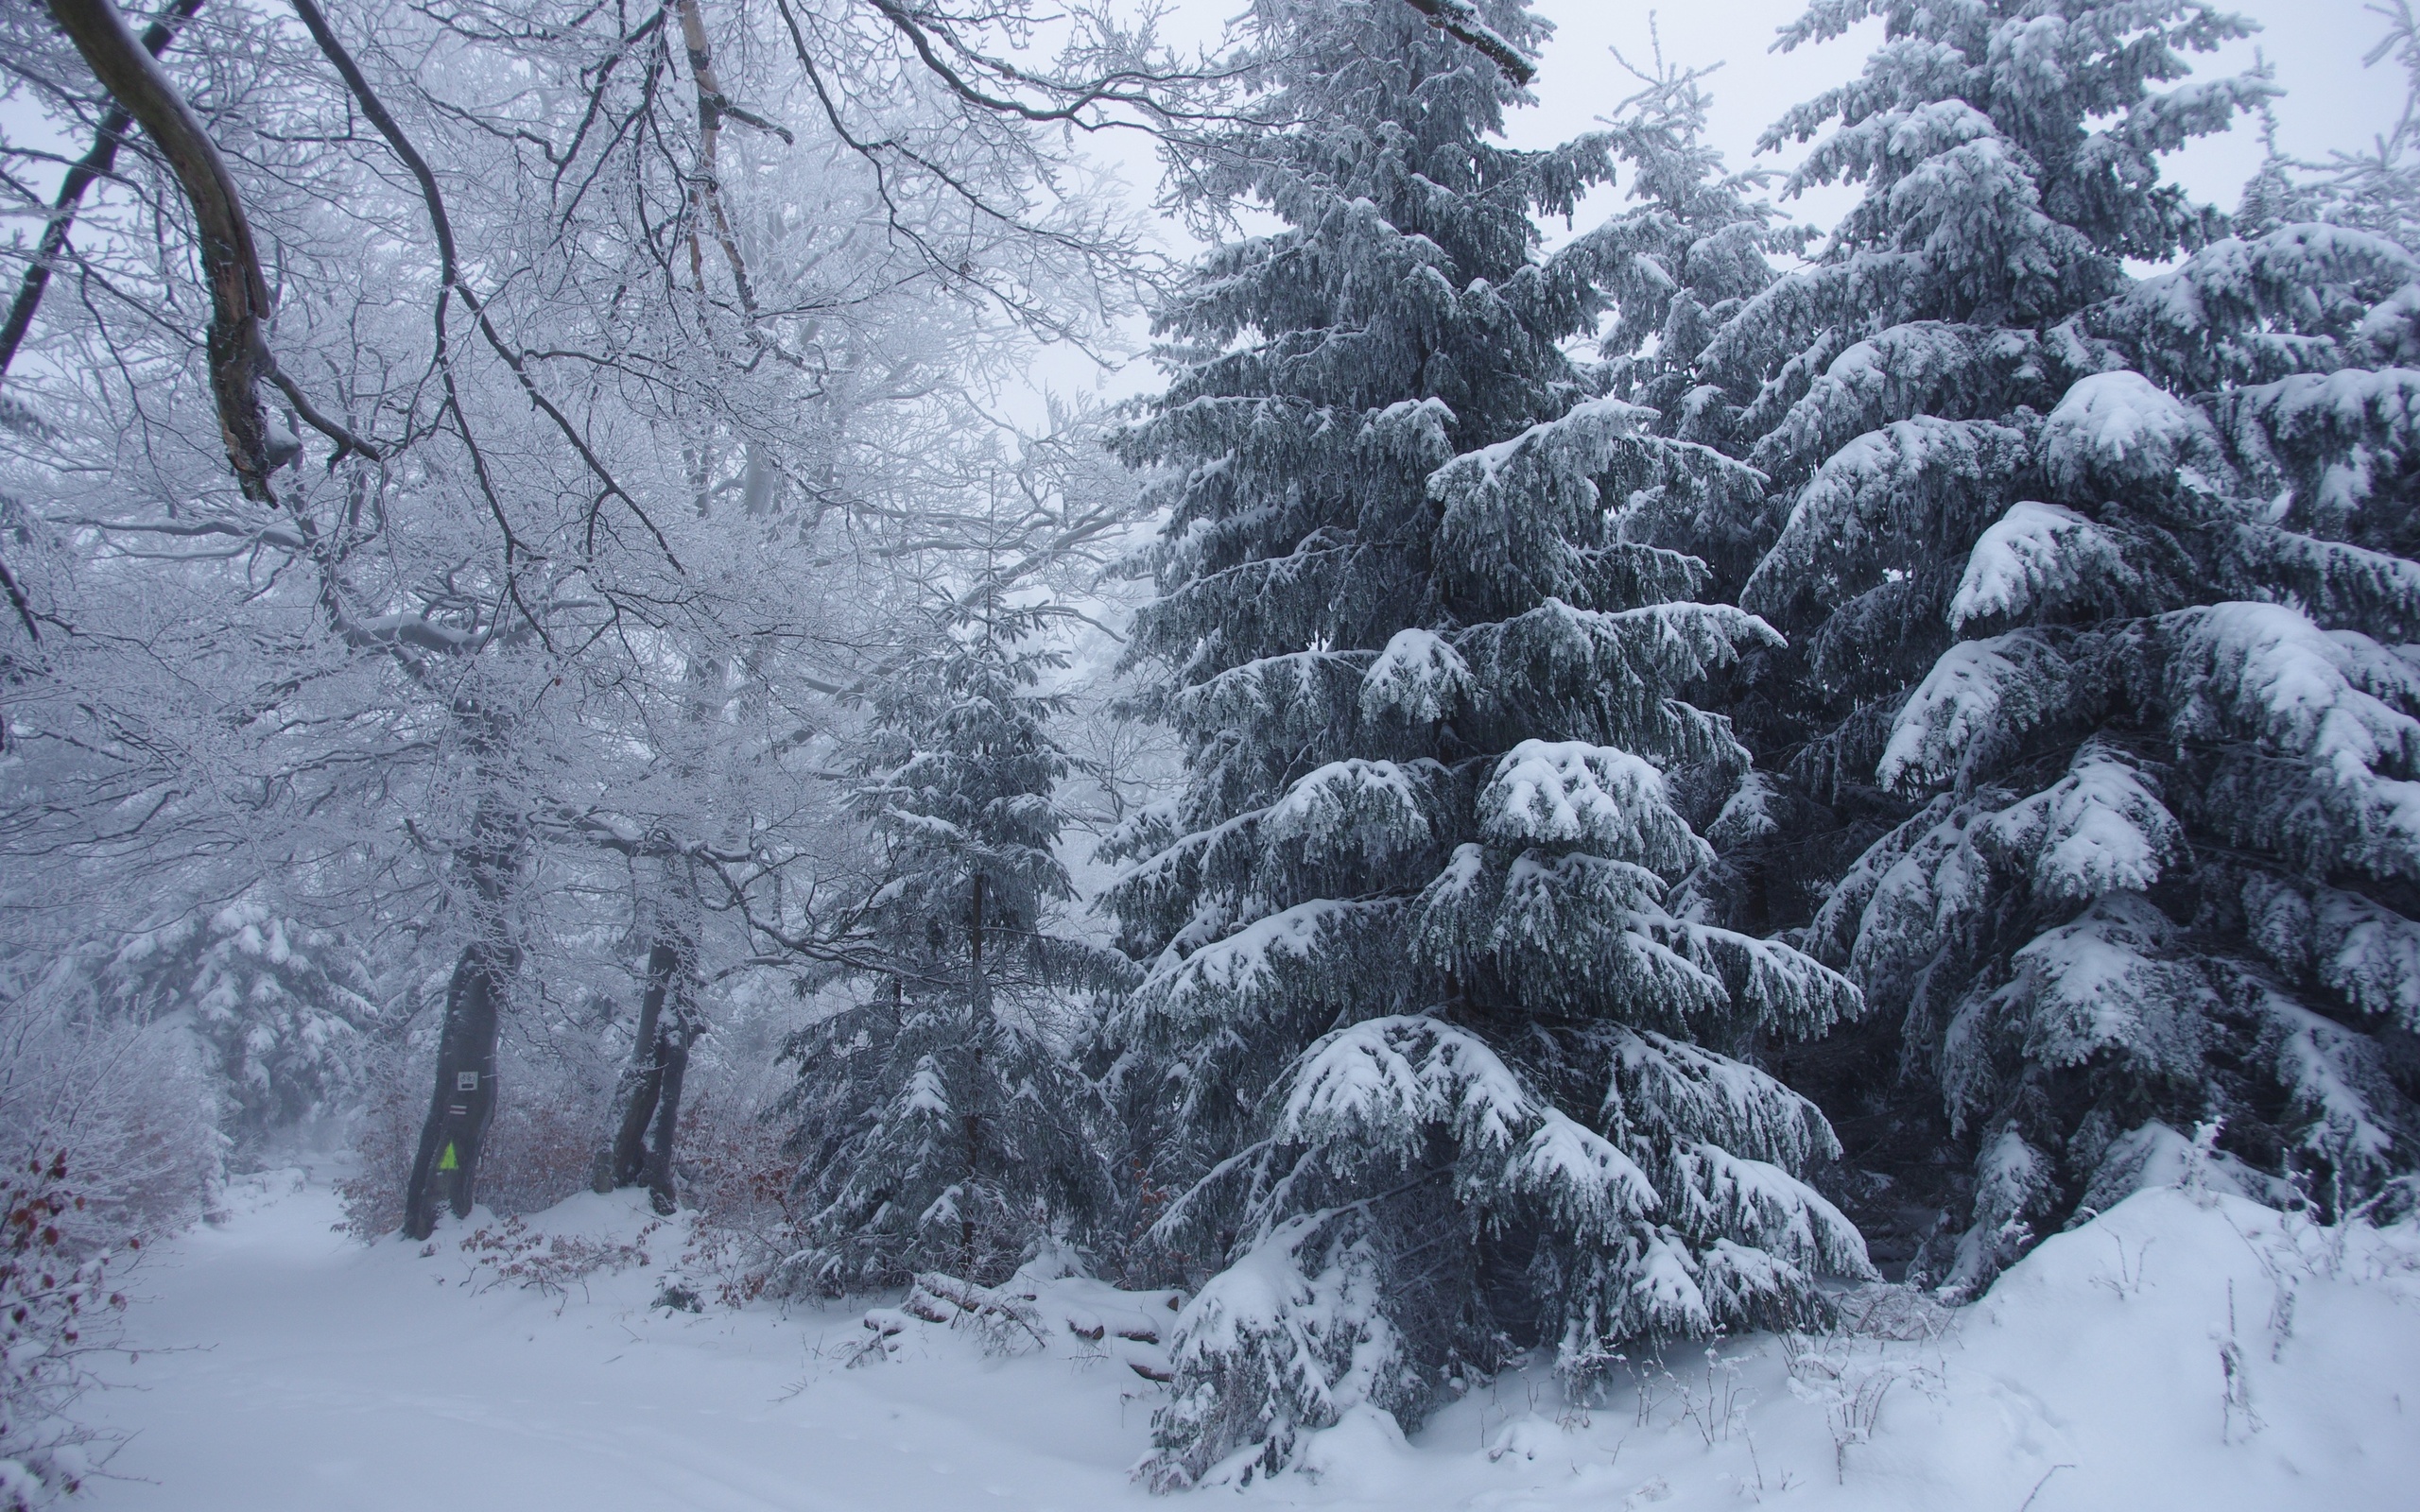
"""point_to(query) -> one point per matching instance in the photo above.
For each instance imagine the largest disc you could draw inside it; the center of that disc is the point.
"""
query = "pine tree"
(942, 1124)
(1434, 1069)
(2082, 616)
(1698, 245)
(283, 1009)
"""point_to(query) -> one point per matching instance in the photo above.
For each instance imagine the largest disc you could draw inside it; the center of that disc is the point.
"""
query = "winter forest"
(878, 754)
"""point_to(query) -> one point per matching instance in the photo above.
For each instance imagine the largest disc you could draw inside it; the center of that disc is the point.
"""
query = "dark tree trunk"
(97, 164)
(622, 1162)
(231, 264)
(462, 1106)
(646, 1101)
(676, 1034)
(978, 1024)
(446, 1167)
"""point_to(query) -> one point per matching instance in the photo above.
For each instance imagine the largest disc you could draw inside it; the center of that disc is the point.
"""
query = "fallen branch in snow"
(1003, 1319)
(1024, 1316)
(883, 1324)
(2038, 1485)
(513, 1252)
(990, 1306)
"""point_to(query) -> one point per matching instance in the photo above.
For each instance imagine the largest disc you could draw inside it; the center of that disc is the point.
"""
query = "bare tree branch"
(95, 163)
(239, 298)
(1458, 20)
(450, 275)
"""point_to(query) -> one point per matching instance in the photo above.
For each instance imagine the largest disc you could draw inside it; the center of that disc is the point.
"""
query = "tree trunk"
(231, 262)
(463, 1102)
(446, 1167)
(97, 164)
(646, 1101)
(678, 1032)
(624, 1159)
(978, 1024)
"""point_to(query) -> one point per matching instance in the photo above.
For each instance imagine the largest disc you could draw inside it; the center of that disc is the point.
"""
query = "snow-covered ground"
(286, 1367)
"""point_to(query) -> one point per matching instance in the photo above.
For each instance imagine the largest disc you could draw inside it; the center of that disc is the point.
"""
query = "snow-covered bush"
(512, 1253)
(126, 1103)
(739, 1181)
(1433, 1047)
(109, 1143)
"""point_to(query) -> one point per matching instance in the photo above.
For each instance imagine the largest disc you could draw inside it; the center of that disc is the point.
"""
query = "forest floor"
(286, 1366)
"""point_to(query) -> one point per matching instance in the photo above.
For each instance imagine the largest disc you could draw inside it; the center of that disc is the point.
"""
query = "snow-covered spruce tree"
(2009, 155)
(281, 1007)
(942, 1124)
(2087, 627)
(1434, 1074)
(1695, 246)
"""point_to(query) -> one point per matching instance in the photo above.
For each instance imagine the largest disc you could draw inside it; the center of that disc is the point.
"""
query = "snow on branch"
(2039, 557)
(1372, 809)
(1980, 695)
(2118, 431)
(1671, 1091)
(2100, 828)
(1571, 793)
(1419, 677)
(2108, 983)
(2340, 700)
(1377, 1087)
(1458, 19)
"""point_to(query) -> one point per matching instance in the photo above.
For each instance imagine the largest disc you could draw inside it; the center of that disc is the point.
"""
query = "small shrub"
(56, 1310)
(513, 1253)
(736, 1178)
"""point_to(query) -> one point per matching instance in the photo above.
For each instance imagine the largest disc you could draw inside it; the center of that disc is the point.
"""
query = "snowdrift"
(2184, 1350)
